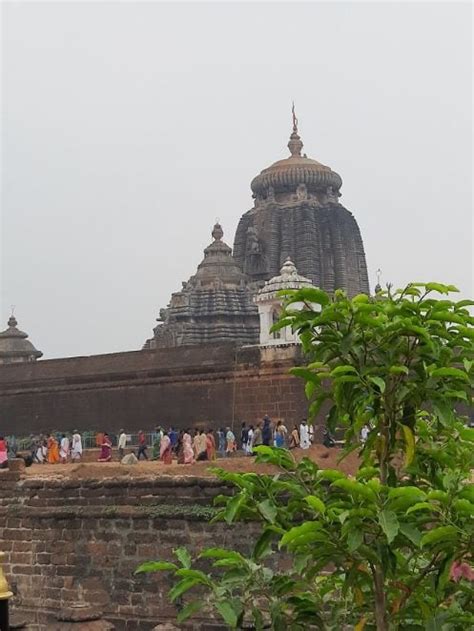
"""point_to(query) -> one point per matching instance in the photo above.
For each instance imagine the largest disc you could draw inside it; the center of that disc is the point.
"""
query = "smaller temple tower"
(14, 345)
(214, 306)
(269, 304)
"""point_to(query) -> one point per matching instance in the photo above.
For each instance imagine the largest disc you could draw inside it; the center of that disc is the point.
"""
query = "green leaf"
(188, 610)
(411, 533)
(420, 506)
(410, 445)
(263, 545)
(389, 524)
(442, 533)
(467, 433)
(342, 370)
(183, 586)
(406, 491)
(268, 510)
(221, 553)
(155, 566)
(183, 557)
(354, 539)
(355, 488)
(398, 370)
(456, 373)
(228, 613)
(233, 507)
(197, 574)
(315, 503)
(298, 531)
(379, 382)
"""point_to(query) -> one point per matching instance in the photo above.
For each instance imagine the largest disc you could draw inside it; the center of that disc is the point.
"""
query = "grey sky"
(129, 127)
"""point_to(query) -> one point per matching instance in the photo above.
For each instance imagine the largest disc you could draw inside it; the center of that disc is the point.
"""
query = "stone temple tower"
(297, 214)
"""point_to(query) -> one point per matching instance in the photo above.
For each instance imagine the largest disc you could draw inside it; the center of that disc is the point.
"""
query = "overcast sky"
(129, 127)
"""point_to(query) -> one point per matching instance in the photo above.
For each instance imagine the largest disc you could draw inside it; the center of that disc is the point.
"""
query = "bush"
(390, 548)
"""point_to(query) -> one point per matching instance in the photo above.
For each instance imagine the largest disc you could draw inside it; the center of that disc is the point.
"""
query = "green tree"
(391, 547)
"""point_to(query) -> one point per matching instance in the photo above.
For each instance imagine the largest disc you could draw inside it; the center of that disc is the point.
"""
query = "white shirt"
(122, 441)
(76, 444)
(304, 436)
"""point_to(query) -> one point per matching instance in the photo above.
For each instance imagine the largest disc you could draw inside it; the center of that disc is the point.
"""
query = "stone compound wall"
(69, 539)
(183, 387)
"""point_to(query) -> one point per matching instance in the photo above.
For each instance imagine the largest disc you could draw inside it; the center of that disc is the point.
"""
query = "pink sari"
(188, 449)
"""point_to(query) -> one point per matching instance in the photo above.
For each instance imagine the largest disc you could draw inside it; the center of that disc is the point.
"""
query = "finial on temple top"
(295, 145)
(295, 120)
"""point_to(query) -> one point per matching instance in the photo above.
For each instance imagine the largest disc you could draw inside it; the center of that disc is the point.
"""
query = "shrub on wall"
(391, 547)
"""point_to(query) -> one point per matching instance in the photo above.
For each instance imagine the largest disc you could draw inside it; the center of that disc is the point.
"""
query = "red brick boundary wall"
(69, 540)
(187, 386)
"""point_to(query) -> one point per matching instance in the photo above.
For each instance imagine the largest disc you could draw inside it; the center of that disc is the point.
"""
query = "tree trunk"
(380, 604)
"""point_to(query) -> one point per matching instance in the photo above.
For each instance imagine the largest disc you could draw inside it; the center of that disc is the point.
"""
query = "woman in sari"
(166, 455)
(294, 438)
(210, 445)
(105, 449)
(53, 450)
(188, 448)
(3, 453)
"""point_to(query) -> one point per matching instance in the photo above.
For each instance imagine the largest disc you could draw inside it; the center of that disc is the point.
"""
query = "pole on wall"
(5, 595)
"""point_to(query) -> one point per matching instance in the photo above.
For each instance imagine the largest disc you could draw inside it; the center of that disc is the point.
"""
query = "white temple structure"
(269, 305)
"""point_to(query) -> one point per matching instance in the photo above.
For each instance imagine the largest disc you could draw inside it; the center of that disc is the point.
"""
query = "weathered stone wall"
(71, 539)
(184, 386)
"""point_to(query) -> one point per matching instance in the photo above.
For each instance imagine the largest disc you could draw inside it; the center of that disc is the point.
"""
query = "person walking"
(257, 437)
(244, 437)
(304, 435)
(53, 450)
(210, 445)
(249, 441)
(166, 452)
(280, 435)
(122, 443)
(3, 453)
(188, 452)
(76, 449)
(105, 449)
(221, 442)
(267, 433)
(142, 446)
(294, 438)
(230, 442)
(64, 449)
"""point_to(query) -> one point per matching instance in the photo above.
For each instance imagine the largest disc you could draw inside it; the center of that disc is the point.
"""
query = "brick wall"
(67, 540)
(182, 387)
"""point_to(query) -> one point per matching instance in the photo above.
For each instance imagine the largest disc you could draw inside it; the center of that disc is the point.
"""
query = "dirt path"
(325, 458)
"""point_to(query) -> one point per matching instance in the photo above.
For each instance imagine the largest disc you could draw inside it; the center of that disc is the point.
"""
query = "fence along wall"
(68, 540)
(187, 386)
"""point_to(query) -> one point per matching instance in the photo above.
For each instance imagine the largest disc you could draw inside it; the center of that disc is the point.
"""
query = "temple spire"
(295, 145)
(295, 120)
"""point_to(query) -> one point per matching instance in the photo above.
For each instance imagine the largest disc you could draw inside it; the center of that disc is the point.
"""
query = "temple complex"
(14, 345)
(297, 214)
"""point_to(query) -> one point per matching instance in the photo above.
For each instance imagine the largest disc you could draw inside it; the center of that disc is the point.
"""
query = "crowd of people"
(186, 446)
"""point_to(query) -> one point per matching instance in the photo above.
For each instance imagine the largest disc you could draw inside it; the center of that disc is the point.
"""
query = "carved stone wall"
(322, 240)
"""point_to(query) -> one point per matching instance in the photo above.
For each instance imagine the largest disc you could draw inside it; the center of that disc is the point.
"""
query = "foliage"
(391, 547)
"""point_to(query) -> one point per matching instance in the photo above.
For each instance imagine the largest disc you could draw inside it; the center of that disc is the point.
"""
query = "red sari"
(166, 454)
(106, 450)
